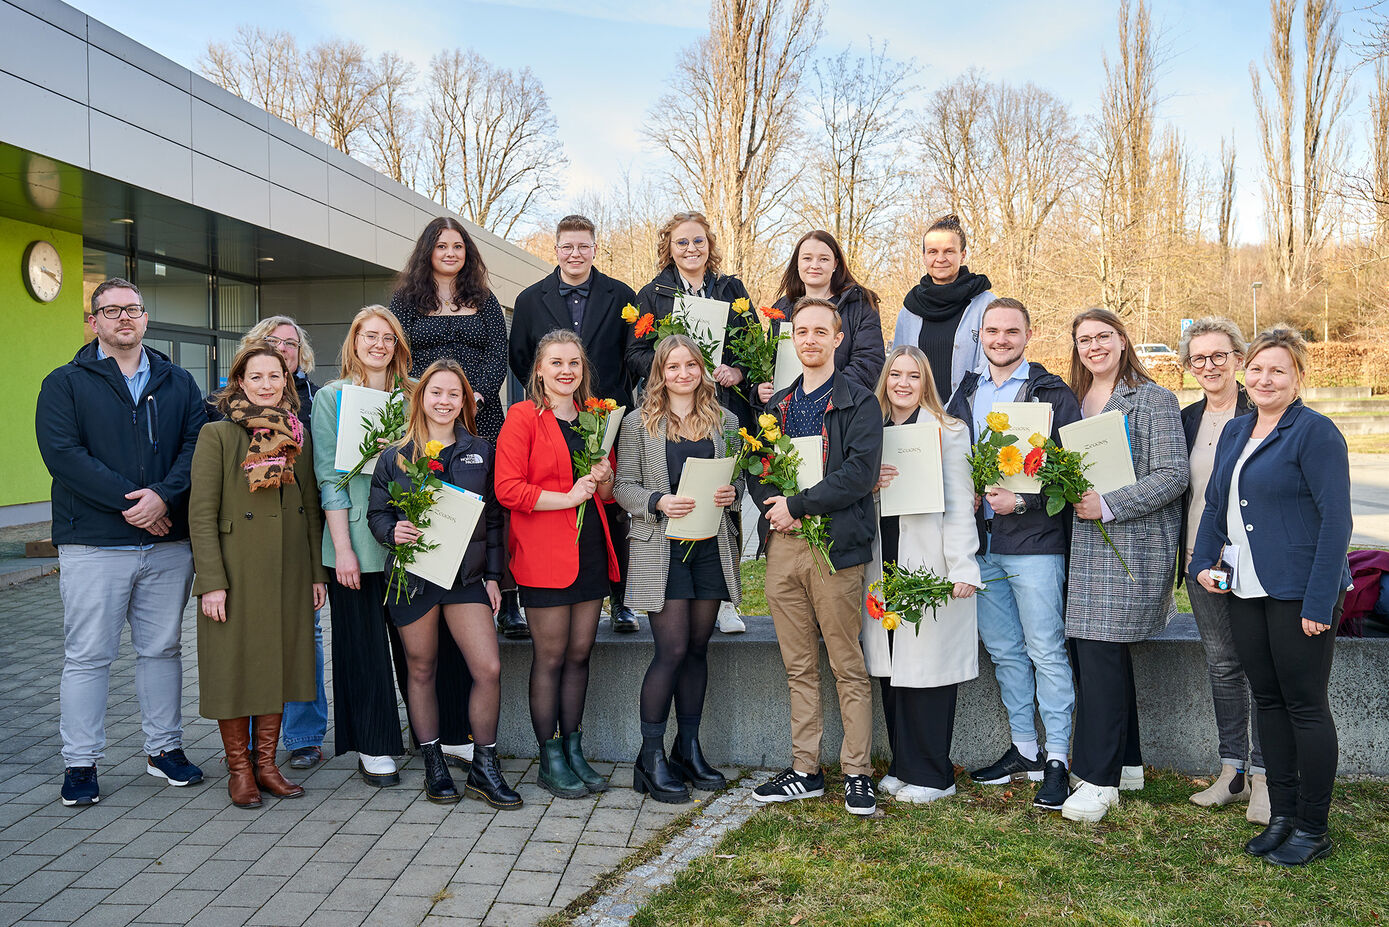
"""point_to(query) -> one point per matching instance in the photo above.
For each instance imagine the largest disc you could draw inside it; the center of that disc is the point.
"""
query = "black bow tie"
(566, 289)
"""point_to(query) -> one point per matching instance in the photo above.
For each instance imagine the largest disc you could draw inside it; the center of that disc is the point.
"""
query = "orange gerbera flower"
(645, 325)
(876, 608)
(1009, 460)
(593, 405)
(772, 312)
(1033, 461)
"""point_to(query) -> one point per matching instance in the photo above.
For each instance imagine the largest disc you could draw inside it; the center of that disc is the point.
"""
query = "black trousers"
(1106, 723)
(618, 522)
(1288, 672)
(920, 724)
(365, 716)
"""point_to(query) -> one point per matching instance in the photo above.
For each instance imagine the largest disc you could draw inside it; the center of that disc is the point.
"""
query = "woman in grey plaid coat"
(1107, 608)
(679, 583)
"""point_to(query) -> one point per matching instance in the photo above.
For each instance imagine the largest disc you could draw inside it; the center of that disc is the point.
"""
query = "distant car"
(1155, 352)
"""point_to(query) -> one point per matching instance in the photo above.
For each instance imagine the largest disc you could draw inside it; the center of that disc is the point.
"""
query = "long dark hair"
(415, 284)
(1131, 369)
(794, 288)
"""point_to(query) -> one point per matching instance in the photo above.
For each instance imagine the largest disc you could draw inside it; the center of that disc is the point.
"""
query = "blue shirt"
(986, 393)
(806, 414)
(137, 383)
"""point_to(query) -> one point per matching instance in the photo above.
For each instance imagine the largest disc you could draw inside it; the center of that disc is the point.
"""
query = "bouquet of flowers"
(770, 456)
(385, 427)
(904, 595)
(994, 455)
(591, 425)
(414, 505)
(648, 326)
(1062, 475)
(753, 344)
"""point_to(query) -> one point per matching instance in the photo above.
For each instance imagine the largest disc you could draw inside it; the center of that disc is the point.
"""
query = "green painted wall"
(38, 338)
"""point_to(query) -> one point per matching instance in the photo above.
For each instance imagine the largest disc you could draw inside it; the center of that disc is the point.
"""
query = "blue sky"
(606, 67)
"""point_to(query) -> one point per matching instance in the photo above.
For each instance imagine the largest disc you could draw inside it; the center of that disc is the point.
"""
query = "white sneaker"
(1131, 779)
(890, 785)
(1090, 803)
(729, 620)
(921, 794)
(378, 765)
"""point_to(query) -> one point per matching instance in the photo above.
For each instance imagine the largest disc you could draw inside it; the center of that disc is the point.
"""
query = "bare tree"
(1225, 221)
(1378, 186)
(392, 122)
(491, 137)
(730, 120)
(341, 83)
(260, 66)
(955, 146)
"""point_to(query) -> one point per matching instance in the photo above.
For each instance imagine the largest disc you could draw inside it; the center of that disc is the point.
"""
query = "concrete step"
(1353, 406)
(1362, 424)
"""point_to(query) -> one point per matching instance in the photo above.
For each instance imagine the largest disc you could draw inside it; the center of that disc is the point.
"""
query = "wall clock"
(43, 271)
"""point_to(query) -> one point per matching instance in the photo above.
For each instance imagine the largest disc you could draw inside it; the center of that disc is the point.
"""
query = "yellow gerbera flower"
(997, 421)
(629, 313)
(433, 448)
(749, 440)
(1009, 460)
(741, 305)
(891, 621)
(1037, 440)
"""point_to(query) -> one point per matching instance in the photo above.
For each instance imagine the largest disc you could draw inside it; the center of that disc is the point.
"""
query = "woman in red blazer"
(559, 569)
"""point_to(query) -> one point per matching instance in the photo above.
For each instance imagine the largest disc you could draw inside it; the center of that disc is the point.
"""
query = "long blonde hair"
(535, 387)
(930, 398)
(706, 416)
(664, 258)
(352, 367)
(417, 426)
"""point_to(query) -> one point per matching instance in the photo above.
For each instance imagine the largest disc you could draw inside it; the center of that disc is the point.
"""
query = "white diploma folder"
(354, 403)
(610, 430)
(812, 468)
(919, 487)
(706, 318)
(698, 480)
(1025, 419)
(1104, 440)
(452, 518)
(788, 365)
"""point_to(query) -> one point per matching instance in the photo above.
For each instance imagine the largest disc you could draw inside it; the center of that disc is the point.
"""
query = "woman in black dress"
(441, 415)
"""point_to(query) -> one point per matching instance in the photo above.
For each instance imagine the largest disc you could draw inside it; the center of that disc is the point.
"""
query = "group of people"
(1245, 493)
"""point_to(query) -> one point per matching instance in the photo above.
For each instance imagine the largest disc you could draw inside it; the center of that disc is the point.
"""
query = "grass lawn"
(1368, 444)
(986, 858)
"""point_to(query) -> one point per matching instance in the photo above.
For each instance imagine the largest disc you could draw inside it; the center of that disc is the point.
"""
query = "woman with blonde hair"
(289, 338)
(920, 671)
(679, 583)
(563, 572)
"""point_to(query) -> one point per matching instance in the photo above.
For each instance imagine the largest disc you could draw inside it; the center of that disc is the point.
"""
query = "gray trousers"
(103, 591)
(1230, 688)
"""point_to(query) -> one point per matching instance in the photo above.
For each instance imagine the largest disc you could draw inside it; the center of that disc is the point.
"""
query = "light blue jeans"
(103, 591)
(305, 724)
(1023, 627)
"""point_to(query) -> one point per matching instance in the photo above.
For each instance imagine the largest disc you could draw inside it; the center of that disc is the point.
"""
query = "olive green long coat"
(264, 548)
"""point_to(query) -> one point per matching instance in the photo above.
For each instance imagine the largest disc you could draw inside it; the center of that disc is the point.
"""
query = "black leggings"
(1288, 672)
(680, 665)
(561, 640)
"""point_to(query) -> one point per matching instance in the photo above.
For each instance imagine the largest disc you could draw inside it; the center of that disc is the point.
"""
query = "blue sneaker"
(173, 766)
(79, 786)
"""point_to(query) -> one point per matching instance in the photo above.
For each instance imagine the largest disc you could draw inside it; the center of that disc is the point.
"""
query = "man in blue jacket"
(1022, 559)
(116, 427)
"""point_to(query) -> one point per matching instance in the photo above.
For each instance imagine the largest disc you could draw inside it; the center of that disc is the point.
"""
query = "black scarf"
(937, 302)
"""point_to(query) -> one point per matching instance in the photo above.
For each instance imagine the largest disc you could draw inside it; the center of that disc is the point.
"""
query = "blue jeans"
(305, 724)
(1022, 625)
(103, 591)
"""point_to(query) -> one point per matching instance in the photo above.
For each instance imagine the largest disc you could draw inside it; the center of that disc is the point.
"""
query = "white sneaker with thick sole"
(378, 765)
(1089, 803)
(729, 621)
(890, 784)
(1131, 779)
(922, 794)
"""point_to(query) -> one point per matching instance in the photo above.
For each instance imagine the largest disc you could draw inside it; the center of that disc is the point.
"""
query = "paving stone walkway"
(344, 854)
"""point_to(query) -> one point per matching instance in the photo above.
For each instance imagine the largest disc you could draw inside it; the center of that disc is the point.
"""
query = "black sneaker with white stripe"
(789, 785)
(859, 797)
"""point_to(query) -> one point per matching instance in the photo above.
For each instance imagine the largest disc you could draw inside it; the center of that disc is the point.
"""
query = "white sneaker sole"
(1131, 784)
(731, 628)
(1084, 817)
(1030, 776)
(862, 812)
(72, 802)
(813, 793)
(154, 771)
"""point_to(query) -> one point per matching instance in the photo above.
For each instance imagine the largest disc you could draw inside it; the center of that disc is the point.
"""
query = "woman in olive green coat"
(257, 529)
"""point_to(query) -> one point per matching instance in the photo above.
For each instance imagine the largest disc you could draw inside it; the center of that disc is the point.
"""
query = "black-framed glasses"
(281, 342)
(134, 310)
(1216, 359)
(568, 249)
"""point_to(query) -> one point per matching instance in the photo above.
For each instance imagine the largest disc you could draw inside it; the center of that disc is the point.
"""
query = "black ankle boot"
(438, 784)
(652, 775)
(1301, 848)
(687, 761)
(1272, 836)
(510, 621)
(486, 782)
(574, 756)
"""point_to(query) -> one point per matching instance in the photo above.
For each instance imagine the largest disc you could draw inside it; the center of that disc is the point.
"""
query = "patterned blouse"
(476, 341)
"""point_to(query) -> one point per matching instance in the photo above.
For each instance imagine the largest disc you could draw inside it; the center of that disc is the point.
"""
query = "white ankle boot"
(1222, 791)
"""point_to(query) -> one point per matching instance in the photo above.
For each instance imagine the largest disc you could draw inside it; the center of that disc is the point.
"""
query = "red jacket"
(532, 456)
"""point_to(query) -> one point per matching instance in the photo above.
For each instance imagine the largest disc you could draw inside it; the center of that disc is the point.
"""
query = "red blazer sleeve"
(515, 444)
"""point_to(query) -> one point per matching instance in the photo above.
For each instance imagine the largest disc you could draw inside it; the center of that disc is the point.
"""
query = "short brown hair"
(289, 399)
(576, 223)
(1281, 336)
(1131, 369)
(811, 302)
(1008, 302)
(947, 223)
(663, 258)
(112, 283)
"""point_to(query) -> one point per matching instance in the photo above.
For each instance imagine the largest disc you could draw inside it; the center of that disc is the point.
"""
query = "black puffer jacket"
(861, 354)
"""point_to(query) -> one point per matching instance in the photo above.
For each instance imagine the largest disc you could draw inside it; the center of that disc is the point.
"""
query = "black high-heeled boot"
(486, 782)
(652, 775)
(438, 784)
(687, 761)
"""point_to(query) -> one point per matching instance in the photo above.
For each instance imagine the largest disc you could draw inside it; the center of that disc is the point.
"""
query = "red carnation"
(436, 466)
(1033, 461)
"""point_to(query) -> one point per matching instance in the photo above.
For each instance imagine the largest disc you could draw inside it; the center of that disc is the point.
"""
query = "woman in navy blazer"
(1284, 545)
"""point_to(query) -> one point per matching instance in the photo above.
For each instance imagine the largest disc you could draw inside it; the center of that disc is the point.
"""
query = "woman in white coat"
(920, 672)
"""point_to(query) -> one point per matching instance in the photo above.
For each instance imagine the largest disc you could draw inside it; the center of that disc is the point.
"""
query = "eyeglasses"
(683, 243)
(373, 338)
(567, 250)
(1102, 339)
(282, 342)
(135, 310)
(1218, 359)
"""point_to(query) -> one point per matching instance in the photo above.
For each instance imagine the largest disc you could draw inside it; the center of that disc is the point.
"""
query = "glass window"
(191, 354)
(98, 267)
(236, 305)
(175, 296)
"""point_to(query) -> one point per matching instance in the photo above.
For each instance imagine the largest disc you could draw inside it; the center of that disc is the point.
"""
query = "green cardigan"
(370, 555)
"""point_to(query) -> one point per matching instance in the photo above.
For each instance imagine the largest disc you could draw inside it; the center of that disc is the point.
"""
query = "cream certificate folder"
(1104, 440)
(707, 318)
(610, 430)
(812, 468)
(452, 518)
(919, 487)
(355, 402)
(698, 480)
(1025, 419)
(788, 366)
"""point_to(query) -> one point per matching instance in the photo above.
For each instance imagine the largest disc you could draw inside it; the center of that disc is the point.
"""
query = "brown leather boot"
(266, 729)
(241, 782)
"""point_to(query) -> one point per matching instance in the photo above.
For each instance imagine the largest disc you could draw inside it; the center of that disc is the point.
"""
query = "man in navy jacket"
(116, 427)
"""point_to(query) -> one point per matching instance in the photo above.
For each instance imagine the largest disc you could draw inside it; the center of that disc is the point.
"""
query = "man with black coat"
(577, 296)
(1022, 560)
(807, 597)
(116, 426)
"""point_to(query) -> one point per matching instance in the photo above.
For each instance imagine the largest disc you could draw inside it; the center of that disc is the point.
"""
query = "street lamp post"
(1254, 288)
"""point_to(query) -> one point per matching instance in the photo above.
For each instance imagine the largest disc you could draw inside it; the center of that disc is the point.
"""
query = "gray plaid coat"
(1102, 602)
(641, 470)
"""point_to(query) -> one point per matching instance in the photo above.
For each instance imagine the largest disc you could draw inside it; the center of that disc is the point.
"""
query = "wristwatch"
(1020, 508)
